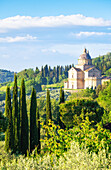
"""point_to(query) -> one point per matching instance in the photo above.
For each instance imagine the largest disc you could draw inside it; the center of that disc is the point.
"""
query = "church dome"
(85, 55)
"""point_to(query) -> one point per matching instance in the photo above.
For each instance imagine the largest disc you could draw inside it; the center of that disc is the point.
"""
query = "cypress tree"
(38, 131)
(33, 126)
(62, 100)
(61, 95)
(48, 108)
(8, 114)
(15, 114)
(42, 72)
(57, 73)
(23, 120)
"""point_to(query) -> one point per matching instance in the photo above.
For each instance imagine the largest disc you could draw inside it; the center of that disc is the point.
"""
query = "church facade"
(84, 75)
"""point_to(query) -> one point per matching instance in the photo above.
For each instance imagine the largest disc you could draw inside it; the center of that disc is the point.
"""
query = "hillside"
(103, 63)
(6, 76)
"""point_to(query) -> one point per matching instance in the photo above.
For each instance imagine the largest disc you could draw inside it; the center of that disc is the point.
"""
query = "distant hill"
(103, 63)
(6, 76)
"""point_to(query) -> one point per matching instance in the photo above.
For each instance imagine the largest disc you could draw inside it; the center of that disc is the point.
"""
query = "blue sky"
(34, 33)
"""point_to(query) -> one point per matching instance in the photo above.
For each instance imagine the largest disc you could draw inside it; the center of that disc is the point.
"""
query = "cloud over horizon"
(18, 22)
(88, 34)
(18, 39)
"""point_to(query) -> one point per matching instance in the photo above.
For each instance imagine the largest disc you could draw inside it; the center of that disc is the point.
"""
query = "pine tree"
(38, 131)
(62, 100)
(33, 126)
(8, 114)
(15, 115)
(48, 108)
(23, 120)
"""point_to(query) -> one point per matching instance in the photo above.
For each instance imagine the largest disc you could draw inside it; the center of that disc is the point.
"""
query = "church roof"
(85, 55)
(77, 69)
(90, 68)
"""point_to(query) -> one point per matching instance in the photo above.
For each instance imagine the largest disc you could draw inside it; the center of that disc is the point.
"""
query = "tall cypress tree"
(62, 100)
(23, 120)
(42, 72)
(48, 108)
(8, 114)
(33, 126)
(38, 131)
(61, 95)
(15, 115)
(57, 73)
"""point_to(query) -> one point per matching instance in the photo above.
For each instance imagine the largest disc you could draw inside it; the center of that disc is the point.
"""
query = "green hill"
(103, 63)
(6, 76)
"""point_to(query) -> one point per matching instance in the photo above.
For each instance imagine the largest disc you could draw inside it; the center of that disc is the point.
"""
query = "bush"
(74, 112)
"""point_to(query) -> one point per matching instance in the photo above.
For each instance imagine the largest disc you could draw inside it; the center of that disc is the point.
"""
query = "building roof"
(77, 69)
(106, 77)
(90, 68)
(85, 55)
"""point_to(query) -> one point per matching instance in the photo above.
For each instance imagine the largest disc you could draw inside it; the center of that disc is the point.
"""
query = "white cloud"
(17, 39)
(74, 50)
(48, 50)
(88, 34)
(18, 22)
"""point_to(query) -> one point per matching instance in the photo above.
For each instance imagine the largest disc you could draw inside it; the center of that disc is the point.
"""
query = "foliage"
(33, 126)
(6, 76)
(83, 93)
(48, 108)
(104, 98)
(38, 131)
(8, 114)
(62, 100)
(103, 63)
(73, 112)
(23, 120)
(3, 122)
(74, 158)
(15, 115)
(84, 134)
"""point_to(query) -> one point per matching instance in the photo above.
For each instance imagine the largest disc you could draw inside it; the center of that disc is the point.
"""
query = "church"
(84, 75)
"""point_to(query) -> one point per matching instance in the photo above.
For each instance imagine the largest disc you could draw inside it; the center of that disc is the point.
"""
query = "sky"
(54, 32)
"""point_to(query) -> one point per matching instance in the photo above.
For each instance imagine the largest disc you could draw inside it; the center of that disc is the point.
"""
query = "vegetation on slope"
(6, 76)
(103, 63)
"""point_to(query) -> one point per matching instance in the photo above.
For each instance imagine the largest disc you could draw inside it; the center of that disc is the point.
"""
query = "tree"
(48, 108)
(8, 114)
(62, 100)
(57, 73)
(38, 131)
(46, 70)
(33, 126)
(99, 88)
(60, 70)
(61, 96)
(42, 72)
(75, 111)
(15, 115)
(54, 80)
(3, 122)
(23, 120)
